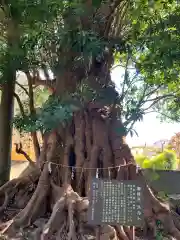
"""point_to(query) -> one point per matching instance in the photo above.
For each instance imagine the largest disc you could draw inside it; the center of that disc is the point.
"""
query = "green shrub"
(167, 160)
(140, 159)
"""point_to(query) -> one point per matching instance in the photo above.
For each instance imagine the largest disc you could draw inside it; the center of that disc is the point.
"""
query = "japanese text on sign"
(113, 202)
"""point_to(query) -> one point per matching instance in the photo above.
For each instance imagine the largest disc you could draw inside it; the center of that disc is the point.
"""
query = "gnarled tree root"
(155, 210)
(69, 218)
(34, 206)
(74, 208)
(69, 214)
(15, 190)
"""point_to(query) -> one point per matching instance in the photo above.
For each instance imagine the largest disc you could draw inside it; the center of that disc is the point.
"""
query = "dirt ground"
(17, 167)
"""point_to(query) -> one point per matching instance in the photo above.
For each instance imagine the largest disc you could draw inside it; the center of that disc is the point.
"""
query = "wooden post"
(132, 231)
(98, 233)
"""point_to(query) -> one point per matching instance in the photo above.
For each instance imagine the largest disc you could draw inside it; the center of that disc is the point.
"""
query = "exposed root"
(57, 212)
(155, 210)
(66, 207)
(69, 216)
(129, 232)
(5, 226)
(16, 193)
(163, 213)
(6, 199)
(9, 185)
(176, 219)
(121, 233)
(72, 232)
(34, 206)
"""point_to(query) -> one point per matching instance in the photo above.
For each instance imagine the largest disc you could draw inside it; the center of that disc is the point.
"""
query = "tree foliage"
(149, 44)
(156, 52)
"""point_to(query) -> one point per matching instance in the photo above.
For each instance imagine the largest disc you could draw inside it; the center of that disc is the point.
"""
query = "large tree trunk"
(89, 140)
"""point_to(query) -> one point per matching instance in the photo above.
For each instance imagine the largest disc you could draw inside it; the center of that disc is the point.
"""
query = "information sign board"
(116, 202)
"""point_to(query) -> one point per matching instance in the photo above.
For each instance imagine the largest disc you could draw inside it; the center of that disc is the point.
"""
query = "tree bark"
(7, 103)
(33, 111)
(6, 116)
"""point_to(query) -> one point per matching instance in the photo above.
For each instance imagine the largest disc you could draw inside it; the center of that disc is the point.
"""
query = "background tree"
(29, 99)
(9, 57)
(175, 144)
(156, 38)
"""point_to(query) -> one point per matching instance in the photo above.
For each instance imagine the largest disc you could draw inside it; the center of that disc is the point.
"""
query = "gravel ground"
(17, 167)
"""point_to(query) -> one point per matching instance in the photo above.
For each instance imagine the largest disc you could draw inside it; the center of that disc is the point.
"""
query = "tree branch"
(123, 66)
(157, 99)
(142, 102)
(22, 87)
(131, 126)
(125, 78)
(19, 150)
(169, 117)
(32, 112)
(152, 92)
(20, 104)
(107, 10)
(46, 74)
(131, 82)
